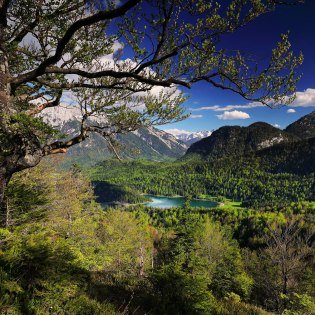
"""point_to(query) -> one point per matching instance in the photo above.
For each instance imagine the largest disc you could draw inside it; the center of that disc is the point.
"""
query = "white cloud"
(195, 116)
(291, 111)
(218, 108)
(235, 114)
(276, 125)
(108, 62)
(304, 99)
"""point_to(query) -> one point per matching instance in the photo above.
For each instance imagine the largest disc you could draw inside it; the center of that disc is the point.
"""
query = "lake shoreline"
(164, 202)
(154, 202)
(177, 196)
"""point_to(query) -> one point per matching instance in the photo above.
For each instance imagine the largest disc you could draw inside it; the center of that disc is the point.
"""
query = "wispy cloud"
(195, 116)
(218, 108)
(235, 114)
(291, 111)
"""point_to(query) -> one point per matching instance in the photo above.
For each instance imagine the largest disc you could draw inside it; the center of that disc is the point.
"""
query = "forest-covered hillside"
(242, 179)
(236, 140)
(303, 127)
(289, 150)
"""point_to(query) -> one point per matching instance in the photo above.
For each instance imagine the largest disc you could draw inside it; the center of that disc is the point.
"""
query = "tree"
(280, 270)
(50, 48)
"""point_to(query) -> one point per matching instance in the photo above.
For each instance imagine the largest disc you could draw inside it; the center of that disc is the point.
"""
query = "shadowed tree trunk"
(4, 178)
(18, 151)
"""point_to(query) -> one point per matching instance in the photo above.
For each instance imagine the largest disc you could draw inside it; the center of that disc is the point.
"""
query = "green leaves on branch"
(24, 124)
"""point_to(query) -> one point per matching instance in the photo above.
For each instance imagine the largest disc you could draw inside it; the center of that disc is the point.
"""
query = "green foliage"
(178, 292)
(107, 192)
(242, 179)
(25, 124)
(300, 304)
(52, 263)
(77, 258)
(83, 305)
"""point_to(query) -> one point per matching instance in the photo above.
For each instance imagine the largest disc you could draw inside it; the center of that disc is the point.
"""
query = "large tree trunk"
(5, 111)
(4, 98)
(18, 151)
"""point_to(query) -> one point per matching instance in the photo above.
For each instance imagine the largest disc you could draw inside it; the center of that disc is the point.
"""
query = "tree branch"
(93, 19)
(117, 75)
(114, 86)
(19, 37)
(4, 6)
(41, 107)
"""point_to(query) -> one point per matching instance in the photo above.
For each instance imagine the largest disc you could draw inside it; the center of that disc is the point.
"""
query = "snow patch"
(189, 136)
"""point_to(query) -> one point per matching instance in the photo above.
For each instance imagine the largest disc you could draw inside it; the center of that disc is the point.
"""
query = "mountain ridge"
(290, 150)
(303, 127)
(150, 143)
(236, 140)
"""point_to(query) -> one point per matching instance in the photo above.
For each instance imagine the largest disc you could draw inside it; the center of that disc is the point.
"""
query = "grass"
(225, 204)
(228, 204)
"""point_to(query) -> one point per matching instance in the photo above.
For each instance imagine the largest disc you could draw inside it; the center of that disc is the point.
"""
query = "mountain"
(304, 127)
(236, 140)
(189, 137)
(150, 143)
(289, 157)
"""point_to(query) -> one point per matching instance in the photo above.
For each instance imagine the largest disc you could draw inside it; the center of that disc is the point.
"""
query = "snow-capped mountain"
(150, 143)
(189, 137)
(59, 116)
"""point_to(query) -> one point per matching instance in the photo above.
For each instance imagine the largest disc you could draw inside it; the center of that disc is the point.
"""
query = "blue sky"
(259, 38)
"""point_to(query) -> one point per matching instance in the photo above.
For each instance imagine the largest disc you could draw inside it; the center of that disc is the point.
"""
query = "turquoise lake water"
(171, 202)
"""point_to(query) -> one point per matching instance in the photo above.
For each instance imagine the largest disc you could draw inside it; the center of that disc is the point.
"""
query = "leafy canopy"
(124, 61)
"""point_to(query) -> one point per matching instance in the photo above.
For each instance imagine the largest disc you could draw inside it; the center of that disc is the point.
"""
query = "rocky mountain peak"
(303, 127)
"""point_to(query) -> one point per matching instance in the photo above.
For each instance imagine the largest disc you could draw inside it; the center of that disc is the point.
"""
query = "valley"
(221, 221)
(262, 176)
(157, 157)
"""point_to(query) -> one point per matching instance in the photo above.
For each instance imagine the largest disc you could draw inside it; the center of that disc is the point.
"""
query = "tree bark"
(18, 150)
(4, 92)
(4, 211)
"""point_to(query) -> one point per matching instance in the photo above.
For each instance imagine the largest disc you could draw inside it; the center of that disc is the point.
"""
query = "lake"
(171, 202)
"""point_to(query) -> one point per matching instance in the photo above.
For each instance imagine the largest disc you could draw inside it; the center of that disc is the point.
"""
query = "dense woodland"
(241, 179)
(63, 254)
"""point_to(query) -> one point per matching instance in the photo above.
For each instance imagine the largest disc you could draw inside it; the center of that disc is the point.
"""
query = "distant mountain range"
(189, 137)
(149, 143)
(289, 150)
